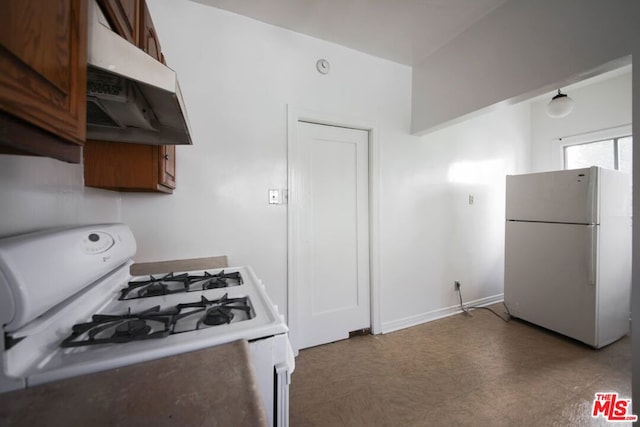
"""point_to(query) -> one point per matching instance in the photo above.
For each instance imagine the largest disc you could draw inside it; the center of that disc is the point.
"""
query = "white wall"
(434, 236)
(38, 193)
(602, 105)
(237, 76)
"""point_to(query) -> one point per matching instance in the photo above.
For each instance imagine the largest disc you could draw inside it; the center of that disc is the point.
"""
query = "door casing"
(295, 115)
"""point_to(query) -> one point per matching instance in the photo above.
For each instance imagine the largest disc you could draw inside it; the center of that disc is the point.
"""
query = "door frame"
(295, 115)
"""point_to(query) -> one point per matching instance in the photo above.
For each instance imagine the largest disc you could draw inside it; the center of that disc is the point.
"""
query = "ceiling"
(404, 31)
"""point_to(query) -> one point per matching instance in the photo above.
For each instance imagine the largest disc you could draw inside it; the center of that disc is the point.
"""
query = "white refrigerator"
(568, 252)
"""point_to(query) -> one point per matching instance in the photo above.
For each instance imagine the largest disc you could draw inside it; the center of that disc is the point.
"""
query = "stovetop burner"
(157, 323)
(217, 316)
(172, 283)
(132, 328)
(105, 328)
(218, 313)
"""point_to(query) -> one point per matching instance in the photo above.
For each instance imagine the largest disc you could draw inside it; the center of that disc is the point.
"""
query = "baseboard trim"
(430, 316)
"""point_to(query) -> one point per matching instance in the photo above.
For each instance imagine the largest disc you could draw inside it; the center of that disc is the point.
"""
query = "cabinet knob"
(166, 157)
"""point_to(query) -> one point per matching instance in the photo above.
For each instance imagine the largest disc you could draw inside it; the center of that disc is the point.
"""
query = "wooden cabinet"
(149, 41)
(43, 77)
(124, 166)
(131, 20)
(124, 17)
(168, 166)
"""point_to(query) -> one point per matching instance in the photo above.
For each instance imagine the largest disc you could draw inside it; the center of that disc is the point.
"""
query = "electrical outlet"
(456, 285)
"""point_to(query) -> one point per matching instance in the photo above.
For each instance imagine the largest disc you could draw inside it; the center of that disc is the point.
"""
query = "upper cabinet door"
(167, 176)
(43, 64)
(124, 16)
(149, 38)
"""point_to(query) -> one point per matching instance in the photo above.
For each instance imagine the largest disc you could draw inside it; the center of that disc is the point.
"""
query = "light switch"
(278, 197)
(275, 197)
(470, 199)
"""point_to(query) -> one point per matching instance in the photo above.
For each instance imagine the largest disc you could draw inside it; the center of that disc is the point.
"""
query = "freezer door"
(561, 196)
(550, 277)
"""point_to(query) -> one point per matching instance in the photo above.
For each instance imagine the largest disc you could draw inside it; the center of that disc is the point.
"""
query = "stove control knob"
(97, 242)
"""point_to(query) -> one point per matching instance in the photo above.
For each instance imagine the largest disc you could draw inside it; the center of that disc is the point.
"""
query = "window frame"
(614, 133)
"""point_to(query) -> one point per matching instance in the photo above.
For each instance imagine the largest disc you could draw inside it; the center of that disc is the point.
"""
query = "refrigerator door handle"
(592, 255)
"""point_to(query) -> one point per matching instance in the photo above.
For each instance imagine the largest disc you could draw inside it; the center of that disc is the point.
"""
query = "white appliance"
(131, 97)
(568, 252)
(68, 307)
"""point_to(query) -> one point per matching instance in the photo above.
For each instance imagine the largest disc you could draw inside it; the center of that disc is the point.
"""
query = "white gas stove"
(68, 307)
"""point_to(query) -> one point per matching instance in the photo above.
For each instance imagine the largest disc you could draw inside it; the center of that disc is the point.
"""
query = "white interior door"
(329, 202)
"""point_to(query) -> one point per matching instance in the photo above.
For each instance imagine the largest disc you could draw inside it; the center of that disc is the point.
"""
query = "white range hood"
(131, 97)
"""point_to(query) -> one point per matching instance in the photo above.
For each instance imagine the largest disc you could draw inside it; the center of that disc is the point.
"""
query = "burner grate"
(104, 329)
(156, 323)
(213, 313)
(180, 283)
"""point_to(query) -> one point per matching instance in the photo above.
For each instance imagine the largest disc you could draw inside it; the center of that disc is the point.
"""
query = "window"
(613, 153)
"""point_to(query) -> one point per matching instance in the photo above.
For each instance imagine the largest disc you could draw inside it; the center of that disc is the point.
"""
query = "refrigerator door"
(550, 277)
(614, 279)
(568, 196)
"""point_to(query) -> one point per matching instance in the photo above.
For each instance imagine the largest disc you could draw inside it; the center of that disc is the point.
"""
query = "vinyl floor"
(458, 371)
